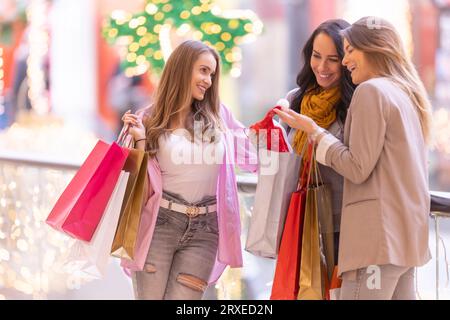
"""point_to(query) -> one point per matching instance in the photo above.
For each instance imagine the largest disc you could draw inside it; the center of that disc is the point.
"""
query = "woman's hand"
(297, 121)
(136, 128)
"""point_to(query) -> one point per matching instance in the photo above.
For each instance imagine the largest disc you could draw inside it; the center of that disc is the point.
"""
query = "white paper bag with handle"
(92, 258)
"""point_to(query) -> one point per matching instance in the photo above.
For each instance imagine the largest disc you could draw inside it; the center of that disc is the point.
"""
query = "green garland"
(141, 32)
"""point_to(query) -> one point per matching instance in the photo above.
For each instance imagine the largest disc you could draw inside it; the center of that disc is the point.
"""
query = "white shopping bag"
(273, 193)
(92, 258)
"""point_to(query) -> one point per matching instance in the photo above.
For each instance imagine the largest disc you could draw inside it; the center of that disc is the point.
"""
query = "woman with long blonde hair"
(384, 226)
(190, 225)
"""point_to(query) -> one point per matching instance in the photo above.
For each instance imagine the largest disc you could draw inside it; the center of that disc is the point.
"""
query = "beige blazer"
(383, 160)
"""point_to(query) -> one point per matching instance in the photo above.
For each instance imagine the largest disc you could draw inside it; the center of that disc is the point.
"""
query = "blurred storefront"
(441, 174)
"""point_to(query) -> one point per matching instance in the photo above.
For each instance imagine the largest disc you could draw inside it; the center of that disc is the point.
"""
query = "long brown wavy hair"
(383, 47)
(174, 93)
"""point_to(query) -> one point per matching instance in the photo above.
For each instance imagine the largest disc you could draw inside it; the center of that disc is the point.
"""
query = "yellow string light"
(158, 55)
(215, 28)
(220, 46)
(141, 20)
(134, 47)
(229, 57)
(196, 10)
(131, 57)
(143, 41)
(248, 27)
(226, 36)
(141, 59)
(134, 23)
(113, 33)
(141, 31)
(167, 7)
(159, 16)
(233, 24)
(149, 52)
(157, 28)
(151, 9)
(205, 7)
(185, 14)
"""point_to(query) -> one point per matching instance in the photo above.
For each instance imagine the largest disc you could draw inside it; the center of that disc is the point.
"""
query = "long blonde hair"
(383, 47)
(174, 93)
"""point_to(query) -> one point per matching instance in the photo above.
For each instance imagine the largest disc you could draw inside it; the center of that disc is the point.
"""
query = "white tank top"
(189, 169)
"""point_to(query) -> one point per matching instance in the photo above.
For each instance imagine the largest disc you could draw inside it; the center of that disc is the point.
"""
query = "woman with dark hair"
(324, 93)
(383, 160)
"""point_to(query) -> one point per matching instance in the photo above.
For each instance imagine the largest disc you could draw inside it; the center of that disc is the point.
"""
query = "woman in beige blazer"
(384, 226)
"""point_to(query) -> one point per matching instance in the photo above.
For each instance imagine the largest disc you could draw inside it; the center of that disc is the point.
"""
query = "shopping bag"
(92, 258)
(272, 199)
(313, 275)
(82, 203)
(335, 285)
(286, 279)
(127, 230)
(76, 186)
(326, 226)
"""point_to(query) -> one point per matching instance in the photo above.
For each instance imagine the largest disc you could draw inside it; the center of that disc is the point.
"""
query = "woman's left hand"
(297, 121)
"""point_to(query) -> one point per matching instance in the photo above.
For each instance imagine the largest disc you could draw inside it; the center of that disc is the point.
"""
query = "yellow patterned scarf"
(319, 105)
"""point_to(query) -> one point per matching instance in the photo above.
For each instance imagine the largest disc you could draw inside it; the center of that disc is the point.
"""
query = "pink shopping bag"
(80, 207)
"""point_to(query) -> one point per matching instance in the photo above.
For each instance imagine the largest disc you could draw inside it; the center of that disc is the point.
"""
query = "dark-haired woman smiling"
(324, 92)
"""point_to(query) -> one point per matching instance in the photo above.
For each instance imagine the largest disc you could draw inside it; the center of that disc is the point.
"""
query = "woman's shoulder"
(375, 95)
(291, 94)
(375, 85)
(374, 92)
(224, 112)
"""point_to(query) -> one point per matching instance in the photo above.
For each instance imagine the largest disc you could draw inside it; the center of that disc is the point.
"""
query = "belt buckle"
(192, 212)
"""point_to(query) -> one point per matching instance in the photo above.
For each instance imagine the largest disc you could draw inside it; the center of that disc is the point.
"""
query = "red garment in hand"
(272, 131)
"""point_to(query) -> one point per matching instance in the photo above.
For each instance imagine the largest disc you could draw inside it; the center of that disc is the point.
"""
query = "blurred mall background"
(69, 69)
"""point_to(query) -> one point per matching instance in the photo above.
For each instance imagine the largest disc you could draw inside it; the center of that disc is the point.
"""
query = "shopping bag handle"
(306, 167)
(123, 136)
(318, 175)
(311, 159)
(301, 167)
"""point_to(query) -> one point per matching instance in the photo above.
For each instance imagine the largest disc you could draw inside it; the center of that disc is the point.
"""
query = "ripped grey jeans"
(181, 256)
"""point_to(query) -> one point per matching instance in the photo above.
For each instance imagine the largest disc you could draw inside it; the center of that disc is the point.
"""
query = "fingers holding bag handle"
(135, 128)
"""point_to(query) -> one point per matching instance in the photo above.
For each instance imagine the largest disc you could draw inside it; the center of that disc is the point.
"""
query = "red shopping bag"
(81, 205)
(272, 131)
(286, 280)
(333, 291)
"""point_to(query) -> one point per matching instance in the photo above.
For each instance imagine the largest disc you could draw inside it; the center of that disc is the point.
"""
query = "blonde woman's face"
(202, 75)
(356, 62)
(325, 62)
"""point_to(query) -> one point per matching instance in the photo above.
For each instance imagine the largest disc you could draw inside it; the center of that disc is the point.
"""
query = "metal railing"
(246, 185)
(437, 215)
